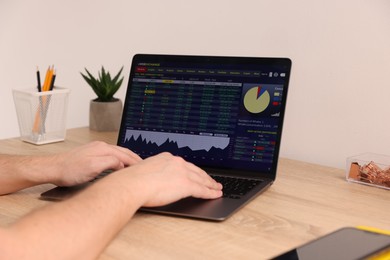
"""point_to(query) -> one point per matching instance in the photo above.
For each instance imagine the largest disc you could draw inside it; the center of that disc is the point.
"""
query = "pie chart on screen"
(256, 100)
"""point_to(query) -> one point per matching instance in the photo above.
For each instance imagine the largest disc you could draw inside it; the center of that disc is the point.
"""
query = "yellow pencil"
(47, 79)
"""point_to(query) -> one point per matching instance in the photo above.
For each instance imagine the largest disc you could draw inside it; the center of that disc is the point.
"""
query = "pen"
(39, 80)
(53, 78)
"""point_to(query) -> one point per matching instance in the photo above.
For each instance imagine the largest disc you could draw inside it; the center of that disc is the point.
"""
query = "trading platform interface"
(210, 114)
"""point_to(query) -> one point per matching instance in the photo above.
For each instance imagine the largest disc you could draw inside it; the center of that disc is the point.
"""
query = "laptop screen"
(222, 112)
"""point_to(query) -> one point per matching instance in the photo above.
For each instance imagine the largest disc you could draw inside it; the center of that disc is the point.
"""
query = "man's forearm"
(64, 230)
(19, 172)
(74, 167)
(81, 227)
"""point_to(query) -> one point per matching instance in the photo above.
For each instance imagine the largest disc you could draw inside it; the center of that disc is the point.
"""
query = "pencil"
(47, 80)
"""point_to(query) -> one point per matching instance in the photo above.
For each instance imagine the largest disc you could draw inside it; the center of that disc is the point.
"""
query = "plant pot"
(105, 116)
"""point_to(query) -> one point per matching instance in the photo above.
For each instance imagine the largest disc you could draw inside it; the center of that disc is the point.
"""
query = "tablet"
(346, 244)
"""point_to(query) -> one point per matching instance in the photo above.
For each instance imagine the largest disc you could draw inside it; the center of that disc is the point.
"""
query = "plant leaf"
(115, 79)
(104, 86)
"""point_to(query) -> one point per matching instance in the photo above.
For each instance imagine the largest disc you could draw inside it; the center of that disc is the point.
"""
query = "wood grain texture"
(305, 202)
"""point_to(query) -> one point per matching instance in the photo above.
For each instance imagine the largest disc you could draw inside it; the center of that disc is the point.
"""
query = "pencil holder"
(42, 115)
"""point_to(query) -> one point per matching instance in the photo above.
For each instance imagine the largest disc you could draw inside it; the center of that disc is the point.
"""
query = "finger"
(107, 162)
(206, 183)
(199, 175)
(203, 178)
(203, 192)
(192, 167)
(126, 156)
(211, 183)
(130, 153)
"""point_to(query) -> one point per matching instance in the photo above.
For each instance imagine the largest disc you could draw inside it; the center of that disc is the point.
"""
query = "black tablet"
(346, 244)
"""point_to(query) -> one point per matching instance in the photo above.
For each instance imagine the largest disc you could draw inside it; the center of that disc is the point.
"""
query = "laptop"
(224, 114)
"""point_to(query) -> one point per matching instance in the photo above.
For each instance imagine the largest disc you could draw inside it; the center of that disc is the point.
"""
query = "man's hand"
(164, 178)
(84, 163)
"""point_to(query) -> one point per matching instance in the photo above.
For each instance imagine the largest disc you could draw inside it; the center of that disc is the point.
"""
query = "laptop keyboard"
(235, 188)
(101, 175)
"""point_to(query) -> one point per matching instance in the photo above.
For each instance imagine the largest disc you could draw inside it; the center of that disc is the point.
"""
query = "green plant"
(104, 86)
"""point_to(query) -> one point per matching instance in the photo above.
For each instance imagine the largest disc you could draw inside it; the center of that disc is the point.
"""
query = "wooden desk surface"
(305, 202)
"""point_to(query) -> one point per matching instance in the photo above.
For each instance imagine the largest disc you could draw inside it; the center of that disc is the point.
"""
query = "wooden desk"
(305, 202)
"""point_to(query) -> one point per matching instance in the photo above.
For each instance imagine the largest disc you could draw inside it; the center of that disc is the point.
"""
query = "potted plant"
(105, 111)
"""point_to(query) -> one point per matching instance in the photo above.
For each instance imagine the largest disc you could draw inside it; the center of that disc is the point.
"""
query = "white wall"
(338, 103)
